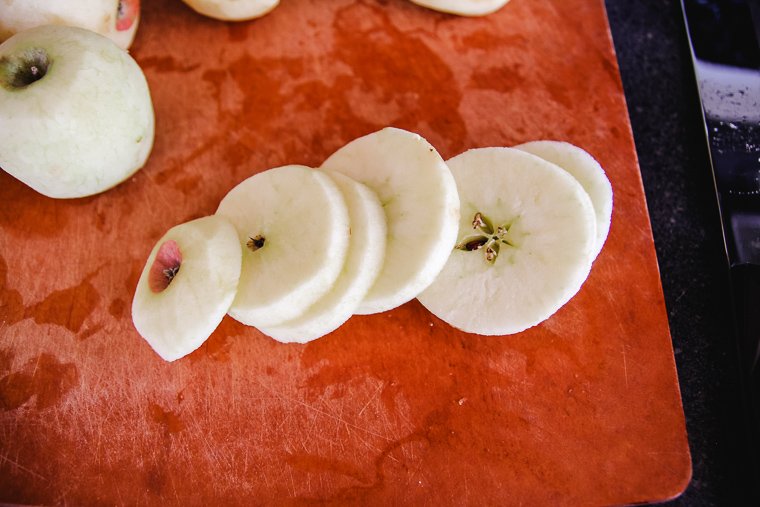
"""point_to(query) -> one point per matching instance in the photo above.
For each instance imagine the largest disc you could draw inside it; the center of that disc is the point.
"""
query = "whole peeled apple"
(76, 117)
(116, 19)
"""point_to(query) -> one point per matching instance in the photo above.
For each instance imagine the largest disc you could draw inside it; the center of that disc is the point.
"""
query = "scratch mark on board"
(372, 397)
(284, 397)
(625, 368)
(22, 468)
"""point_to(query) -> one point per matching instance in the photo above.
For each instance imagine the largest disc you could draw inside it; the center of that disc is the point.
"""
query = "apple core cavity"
(21, 70)
(166, 266)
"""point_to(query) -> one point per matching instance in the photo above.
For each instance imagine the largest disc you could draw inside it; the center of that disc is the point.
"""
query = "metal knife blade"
(726, 57)
(725, 47)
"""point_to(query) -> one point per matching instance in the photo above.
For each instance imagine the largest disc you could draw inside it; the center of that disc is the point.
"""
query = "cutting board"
(395, 408)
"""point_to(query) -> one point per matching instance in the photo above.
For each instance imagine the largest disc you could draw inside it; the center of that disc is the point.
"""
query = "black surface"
(655, 65)
(723, 32)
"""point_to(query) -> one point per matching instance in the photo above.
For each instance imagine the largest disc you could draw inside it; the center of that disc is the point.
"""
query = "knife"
(725, 47)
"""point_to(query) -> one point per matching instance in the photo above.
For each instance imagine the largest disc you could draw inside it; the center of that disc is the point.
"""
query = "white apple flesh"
(115, 19)
(232, 10)
(421, 204)
(77, 116)
(526, 242)
(293, 226)
(584, 168)
(187, 286)
(463, 7)
(366, 252)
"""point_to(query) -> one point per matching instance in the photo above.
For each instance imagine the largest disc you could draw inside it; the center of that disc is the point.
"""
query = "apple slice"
(77, 116)
(421, 206)
(187, 286)
(526, 242)
(463, 7)
(232, 10)
(584, 168)
(292, 222)
(366, 251)
(115, 19)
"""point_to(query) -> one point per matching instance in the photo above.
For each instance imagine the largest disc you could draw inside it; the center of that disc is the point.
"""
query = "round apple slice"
(584, 168)
(526, 240)
(366, 251)
(463, 7)
(419, 197)
(187, 286)
(292, 222)
(232, 10)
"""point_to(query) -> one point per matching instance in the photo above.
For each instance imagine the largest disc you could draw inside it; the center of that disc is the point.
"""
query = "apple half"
(232, 10)
(115, 19)
(463, 7)
(187, 285)
(77, 116)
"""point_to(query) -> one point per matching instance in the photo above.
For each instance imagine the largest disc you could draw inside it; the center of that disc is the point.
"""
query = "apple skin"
(115, 19)
(86, 125)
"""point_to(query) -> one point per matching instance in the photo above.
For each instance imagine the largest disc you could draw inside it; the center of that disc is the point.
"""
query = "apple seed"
(472, 243)
(483, 223)
(487, 238)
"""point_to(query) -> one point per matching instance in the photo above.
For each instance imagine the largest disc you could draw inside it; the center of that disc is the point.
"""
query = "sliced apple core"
(22, 70)
(165, 267)
(255, 242)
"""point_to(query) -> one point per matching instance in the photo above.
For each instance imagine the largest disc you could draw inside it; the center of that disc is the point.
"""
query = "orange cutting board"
(395, 408)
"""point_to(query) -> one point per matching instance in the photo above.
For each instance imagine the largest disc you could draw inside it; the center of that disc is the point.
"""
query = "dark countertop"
(655, 65)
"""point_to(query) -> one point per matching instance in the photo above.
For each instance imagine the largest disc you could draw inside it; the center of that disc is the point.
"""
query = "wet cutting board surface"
(391, 408)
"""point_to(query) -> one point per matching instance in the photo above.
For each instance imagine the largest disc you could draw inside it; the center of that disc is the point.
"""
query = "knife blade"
(724, 36)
